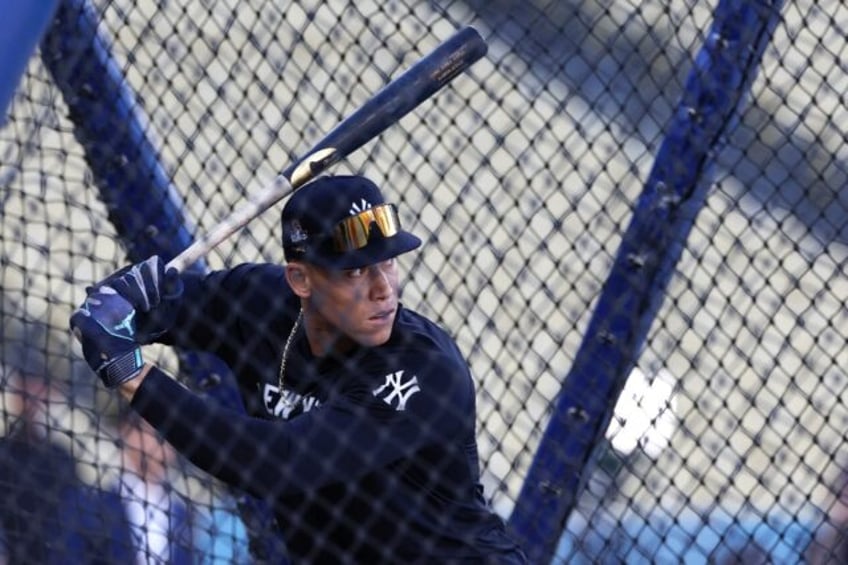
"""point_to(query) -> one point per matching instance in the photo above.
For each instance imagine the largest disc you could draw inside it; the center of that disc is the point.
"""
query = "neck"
(323, 338)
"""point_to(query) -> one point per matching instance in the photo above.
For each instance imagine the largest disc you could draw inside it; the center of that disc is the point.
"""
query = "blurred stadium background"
(521, 177)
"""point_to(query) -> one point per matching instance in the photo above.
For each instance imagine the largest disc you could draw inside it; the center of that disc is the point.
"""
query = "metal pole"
(662, 218)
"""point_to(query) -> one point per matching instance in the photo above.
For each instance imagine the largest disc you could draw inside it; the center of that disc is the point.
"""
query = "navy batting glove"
(154, 293)
(105, 326)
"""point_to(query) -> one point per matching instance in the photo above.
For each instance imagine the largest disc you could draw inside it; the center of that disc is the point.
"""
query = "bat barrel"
(395, 100)
(385, 108)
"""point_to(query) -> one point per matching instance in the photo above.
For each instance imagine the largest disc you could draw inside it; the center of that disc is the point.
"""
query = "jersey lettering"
(285, 404)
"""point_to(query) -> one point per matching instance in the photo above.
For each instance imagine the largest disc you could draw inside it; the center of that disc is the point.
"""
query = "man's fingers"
(172, 286)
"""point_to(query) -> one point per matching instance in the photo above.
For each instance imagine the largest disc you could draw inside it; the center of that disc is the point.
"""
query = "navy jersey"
(370, 457)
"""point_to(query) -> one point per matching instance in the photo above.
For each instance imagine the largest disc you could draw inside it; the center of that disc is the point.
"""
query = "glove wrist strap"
(122, 369)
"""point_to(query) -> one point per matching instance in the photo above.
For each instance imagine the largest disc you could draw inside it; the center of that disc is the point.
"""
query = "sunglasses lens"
(353, 233)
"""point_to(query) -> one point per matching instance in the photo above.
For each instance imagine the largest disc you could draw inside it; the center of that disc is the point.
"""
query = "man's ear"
(298, 279)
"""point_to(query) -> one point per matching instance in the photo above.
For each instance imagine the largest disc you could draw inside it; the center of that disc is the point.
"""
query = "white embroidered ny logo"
(397, 388)
(357, 207)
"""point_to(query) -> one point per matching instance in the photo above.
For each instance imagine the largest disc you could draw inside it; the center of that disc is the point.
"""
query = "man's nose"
(381, 286)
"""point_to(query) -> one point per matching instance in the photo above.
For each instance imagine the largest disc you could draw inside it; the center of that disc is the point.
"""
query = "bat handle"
(232, 223)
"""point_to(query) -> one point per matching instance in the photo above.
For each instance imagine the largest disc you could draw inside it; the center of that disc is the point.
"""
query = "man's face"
(359, 303)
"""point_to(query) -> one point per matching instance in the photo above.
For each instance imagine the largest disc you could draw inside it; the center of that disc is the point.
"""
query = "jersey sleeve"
(217, 307)
(361, 430)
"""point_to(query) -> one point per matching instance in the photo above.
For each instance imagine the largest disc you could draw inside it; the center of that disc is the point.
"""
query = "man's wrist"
(129, 388)
(121, 368)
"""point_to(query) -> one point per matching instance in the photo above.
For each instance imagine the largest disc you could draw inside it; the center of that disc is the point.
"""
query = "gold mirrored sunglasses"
(352, 233)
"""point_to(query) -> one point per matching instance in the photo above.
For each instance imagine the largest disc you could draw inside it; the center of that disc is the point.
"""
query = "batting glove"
(105, 326)
(154, 293)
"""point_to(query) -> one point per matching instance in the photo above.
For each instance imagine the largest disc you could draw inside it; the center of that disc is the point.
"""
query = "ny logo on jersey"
(396, 388)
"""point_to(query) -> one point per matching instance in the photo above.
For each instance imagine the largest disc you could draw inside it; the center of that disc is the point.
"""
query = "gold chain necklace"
(288, 343)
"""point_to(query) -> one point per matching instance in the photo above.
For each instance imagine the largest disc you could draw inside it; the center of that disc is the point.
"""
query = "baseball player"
(361, 426)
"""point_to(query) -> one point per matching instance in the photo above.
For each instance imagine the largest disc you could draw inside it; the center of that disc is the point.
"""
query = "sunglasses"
(353, 233)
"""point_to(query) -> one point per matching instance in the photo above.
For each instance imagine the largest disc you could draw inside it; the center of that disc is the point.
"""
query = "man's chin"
(375, 338)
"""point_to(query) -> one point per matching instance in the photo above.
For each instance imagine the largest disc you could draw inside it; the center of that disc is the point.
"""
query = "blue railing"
(21, 27)
(141, 201)
(662, 218)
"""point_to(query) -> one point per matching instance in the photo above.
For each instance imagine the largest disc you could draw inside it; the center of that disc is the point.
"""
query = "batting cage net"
(633, 227)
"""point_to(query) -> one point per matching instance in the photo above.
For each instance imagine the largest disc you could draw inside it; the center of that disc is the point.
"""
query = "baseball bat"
(418, 83)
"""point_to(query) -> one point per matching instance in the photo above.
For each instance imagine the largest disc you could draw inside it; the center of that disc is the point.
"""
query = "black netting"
(629, 204)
